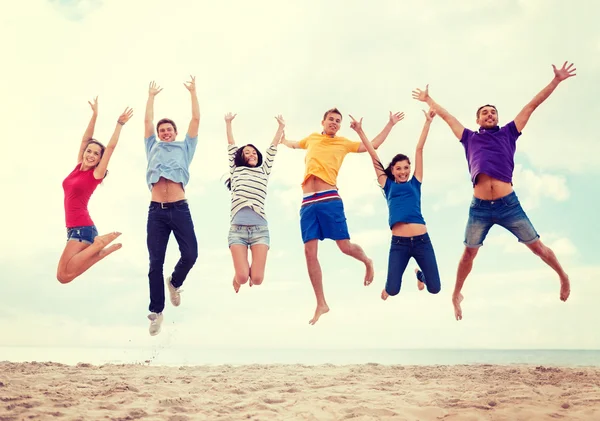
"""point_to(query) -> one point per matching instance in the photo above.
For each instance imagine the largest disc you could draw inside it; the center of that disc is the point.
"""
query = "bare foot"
(321, 309)
(106, 239)
(420, 284)
(565, 288)
(108, 250)
(456, 300)
(384, 295)
(236, 286)
(370, 274)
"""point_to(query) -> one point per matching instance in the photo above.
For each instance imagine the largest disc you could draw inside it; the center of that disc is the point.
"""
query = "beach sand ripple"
(41, 391)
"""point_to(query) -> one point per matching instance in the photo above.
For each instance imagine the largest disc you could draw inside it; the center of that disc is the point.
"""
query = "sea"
(177, 356)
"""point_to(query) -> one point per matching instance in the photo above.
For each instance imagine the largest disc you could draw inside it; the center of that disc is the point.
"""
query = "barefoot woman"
(409, 232)
(248, 184)
(84, 247)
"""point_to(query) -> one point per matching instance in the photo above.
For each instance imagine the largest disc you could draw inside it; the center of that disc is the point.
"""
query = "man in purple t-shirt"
(490, 154)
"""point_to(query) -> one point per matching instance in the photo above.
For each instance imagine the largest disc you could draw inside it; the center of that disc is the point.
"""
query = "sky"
(298, 59)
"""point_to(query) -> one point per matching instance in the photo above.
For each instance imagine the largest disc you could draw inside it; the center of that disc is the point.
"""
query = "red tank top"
(78, 187)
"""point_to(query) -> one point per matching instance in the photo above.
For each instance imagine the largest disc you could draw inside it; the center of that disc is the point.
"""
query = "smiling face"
(332, 122)
(166, 132)
(487, 117)
(401, 171)
(91, 156)
(250, 156)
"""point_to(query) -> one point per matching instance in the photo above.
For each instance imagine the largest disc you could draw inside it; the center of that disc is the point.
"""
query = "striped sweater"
(249, 184)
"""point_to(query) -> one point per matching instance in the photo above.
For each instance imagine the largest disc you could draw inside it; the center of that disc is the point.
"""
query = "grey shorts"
(249, 235)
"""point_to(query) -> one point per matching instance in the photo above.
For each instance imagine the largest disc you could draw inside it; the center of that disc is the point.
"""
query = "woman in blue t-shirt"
(409, 232)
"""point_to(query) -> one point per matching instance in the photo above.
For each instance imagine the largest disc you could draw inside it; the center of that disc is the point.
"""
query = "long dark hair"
(395, 160)
(240, 161)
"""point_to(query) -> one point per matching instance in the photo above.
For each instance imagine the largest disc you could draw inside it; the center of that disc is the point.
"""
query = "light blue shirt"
(170, 160)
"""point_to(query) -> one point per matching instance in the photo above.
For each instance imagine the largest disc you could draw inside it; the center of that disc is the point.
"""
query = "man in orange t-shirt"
(322, 212)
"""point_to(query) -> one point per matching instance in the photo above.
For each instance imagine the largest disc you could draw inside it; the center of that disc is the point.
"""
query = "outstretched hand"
(125, 116)
(94, 105)
(429, 114)
(356, 125)
(396, 117)
(420, 95)
(280, 120)
(153, 89)
(229, 117)
(564, 72)
(190, 85)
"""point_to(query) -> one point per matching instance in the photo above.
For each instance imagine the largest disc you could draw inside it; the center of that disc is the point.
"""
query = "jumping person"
(167, 175)
(490, 154)
(322, 211)
(409, 232)
(249, 177)
(84, 247)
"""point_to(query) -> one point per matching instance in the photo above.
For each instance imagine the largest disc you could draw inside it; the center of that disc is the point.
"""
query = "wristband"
(122, 124)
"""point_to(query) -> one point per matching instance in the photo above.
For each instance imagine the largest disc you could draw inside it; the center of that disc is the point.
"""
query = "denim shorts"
(249, 235)
(82, 234)
(326, 219)
(506, 212)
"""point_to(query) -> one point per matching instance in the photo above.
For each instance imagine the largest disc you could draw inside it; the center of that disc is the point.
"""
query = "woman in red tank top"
(84, 246)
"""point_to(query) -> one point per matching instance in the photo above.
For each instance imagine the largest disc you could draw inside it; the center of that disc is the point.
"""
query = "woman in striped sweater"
(248, 180)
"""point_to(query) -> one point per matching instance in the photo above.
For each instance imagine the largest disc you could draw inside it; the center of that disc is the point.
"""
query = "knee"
(310, 253)
(435, 289)
(469, 254)
(190, 256)
(345, 246)
(63, 279)
(242, 278)
(257, 279)
(538, 248)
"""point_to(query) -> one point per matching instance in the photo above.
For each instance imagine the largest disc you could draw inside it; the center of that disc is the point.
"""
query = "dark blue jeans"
(162, 219)
(420, 248)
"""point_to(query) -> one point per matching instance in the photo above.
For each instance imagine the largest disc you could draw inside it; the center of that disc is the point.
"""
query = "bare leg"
(259, 261)
(548, 256)
(464, 268)
(420, 285)
(316, 278)
(239, 254)
(356, 251)
(79, 257)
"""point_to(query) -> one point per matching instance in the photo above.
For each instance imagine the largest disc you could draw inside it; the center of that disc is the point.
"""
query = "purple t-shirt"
(491, 151)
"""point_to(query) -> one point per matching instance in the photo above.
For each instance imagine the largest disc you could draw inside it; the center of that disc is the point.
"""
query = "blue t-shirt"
(491, 151)
(170, 160)
(404, 201)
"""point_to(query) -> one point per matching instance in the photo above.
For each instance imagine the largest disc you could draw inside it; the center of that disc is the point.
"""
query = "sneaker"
(155, 322)
(174, 293)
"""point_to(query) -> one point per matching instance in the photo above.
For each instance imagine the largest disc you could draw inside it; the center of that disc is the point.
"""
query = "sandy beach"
(286, 392)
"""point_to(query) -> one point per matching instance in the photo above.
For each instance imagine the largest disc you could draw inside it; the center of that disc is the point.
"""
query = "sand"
(45, 391)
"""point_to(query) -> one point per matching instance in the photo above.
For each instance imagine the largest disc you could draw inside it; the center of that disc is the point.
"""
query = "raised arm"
(279, 135)
(559, 75)
(89, 131)
(378, 140)
(421, 144)
(294, 144)
(153, 90)
(455, 125)
(100, 170)
(228, 119)
(356, 125)
(195, 121)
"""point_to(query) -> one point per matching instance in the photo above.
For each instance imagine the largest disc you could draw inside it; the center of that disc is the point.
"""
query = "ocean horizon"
(180, 356)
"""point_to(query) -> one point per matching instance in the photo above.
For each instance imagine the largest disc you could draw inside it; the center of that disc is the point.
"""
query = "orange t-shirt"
(324, 155)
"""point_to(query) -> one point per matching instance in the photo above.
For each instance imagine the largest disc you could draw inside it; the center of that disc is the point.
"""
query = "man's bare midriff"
(490, 188)
(314, 184)
(167, 191)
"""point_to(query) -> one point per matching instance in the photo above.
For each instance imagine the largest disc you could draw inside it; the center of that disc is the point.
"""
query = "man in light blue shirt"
(167, 175)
